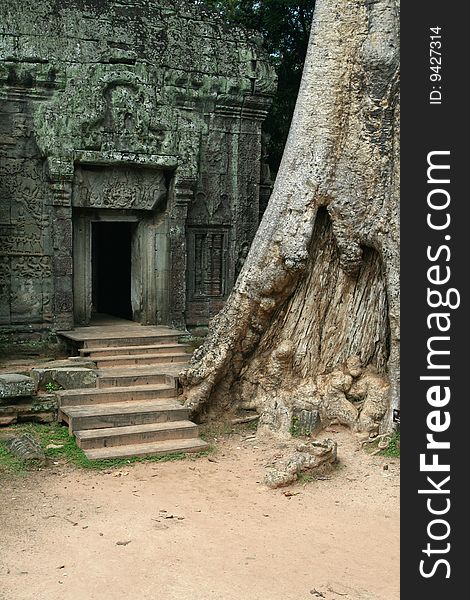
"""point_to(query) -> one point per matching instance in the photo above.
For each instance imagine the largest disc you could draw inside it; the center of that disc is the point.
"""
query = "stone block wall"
(122, 88)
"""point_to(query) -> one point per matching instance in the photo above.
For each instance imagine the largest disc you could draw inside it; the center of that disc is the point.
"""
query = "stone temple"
(131, 173)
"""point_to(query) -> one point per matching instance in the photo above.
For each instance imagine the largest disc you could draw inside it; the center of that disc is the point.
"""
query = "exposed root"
(383, 441)
(242, 420)
(306, 459)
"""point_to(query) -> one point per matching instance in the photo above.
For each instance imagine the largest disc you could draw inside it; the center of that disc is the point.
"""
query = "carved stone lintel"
(93, 157)
(120, 187)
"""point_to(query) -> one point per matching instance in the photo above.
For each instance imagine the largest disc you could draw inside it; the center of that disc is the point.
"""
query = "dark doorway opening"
(111, 268)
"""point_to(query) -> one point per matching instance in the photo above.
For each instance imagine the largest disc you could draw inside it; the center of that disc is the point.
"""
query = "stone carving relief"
(109, 104)
(5, 211)
(23, 182)
(5, 280)
(118, 124)
(209, 253)
(119, 188)
(216, 158)
(127, 119)
(32, 267)
(25, 281)
(26, 303)
(107, 108)
(4, 270)
(259, 72)
(189, 144)
(20, 239)
(210, 208)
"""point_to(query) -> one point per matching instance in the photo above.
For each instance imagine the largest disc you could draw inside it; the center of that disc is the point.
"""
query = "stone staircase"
(134, 409)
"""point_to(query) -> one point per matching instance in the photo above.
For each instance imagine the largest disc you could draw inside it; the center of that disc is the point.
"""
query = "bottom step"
(152, 449)
(136, 434)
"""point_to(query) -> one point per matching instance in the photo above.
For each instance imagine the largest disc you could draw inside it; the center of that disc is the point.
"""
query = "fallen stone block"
(65, 378)
(13, 385)
(25, 447)
(38, 409)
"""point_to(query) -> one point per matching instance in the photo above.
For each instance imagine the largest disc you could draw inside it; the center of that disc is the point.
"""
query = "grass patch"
(51, 386)
(393, 449)
(298, 429)
(294, 428)
(68, 452)
(306, 478)
(251, 425)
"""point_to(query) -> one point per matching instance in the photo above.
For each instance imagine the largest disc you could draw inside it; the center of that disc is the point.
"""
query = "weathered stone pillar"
(182, 192)
(61, 176)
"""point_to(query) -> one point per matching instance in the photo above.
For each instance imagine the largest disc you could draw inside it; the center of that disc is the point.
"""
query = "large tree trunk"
(311, 328)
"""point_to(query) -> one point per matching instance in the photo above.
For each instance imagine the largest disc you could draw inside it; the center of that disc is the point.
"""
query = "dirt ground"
(203, 529)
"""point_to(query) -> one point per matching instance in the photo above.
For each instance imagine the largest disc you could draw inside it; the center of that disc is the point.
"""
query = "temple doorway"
(120, 266)
(111, 268)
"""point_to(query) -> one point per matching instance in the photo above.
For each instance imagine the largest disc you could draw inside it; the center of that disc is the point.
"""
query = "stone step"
(151, 449)
(142, 359)
(134, 410)
(136, 434)
(122, 414)
(93, 353)
(102, 341)
(129, 377)
(89, 396)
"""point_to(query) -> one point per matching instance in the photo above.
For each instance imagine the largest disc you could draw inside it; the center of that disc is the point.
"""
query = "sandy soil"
(203, 529)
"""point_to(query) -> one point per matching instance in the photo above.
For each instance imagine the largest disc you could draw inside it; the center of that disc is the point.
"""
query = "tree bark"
(312, 324)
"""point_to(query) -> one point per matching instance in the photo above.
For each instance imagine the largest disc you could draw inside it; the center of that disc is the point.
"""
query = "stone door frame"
(150, 278)
(144, 274)
(168, 230)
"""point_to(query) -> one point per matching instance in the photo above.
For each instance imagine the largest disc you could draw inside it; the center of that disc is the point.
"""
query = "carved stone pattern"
(32, 267)
(19, 240)
(94, 112)
(114, 187)
(210, 262)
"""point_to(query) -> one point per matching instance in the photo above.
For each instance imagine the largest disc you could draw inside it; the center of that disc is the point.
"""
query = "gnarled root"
(312, 458)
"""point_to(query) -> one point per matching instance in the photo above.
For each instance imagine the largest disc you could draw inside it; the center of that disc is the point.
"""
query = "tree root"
(242, 420)
(383, 441)
(310, 458)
